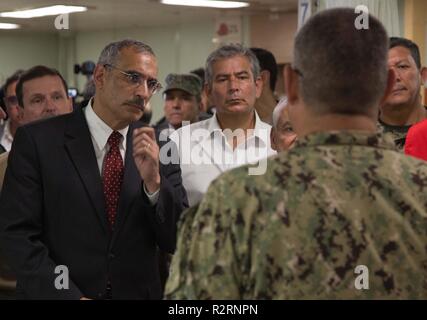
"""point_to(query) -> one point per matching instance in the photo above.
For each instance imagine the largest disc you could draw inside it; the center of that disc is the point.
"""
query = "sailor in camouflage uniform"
(343, 199)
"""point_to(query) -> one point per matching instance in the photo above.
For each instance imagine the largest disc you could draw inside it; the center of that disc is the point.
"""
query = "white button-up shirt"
(6, 138)
(205, 153)
(100, 132)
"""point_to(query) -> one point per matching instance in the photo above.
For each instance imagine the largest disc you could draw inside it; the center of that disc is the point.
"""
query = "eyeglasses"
(11, 100)
(137, 79)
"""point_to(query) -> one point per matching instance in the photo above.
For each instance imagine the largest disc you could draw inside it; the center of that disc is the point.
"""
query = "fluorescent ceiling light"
(41, 12)
(9, 26)
(207, 3)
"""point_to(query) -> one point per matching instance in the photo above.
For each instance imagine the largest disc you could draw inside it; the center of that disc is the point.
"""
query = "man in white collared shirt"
(235, 135)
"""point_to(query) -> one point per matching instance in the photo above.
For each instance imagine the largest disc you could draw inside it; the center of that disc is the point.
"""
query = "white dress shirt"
(6, 138)
(204, 153)
(100, 132)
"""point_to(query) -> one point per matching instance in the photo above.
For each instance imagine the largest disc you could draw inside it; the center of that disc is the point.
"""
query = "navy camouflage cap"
(189, 83)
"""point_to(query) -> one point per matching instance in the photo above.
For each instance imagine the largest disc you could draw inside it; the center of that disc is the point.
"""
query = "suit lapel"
(80, 149)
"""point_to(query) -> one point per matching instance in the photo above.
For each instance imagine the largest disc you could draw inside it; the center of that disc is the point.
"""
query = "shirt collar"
(100, 131)
(360, 138)
(6, 133)
(261, 129)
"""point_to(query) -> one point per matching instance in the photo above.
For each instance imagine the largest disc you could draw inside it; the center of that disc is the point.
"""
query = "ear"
(391, 79)
(258, 86)
(203, 102)
(207, 90)
(424, 76)
(99, 76)
(265, 77)
(273, 139)
(200, 106)
(20, 113)
(70, 104)
(291, 85)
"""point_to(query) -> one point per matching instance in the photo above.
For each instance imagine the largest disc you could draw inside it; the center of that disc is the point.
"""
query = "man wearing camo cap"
(182, 100)
(341, 215)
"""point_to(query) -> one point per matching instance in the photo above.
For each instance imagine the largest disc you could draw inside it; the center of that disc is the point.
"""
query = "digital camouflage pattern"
(335, 201)
(397, 133)
(189, 83)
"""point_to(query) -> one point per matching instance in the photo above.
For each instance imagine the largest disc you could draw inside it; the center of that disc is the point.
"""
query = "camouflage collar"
(361, 138)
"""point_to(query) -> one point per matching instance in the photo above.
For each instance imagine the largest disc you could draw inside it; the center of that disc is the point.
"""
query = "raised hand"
(146, 156)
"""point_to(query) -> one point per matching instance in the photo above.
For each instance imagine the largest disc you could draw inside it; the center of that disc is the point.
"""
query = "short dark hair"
(13, 78)
(341, 69)
(200, 72)
(33, 73)
(408, 44)
(267, 61)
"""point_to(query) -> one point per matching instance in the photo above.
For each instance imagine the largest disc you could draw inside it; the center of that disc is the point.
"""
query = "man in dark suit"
(86, 200)
(45, 96)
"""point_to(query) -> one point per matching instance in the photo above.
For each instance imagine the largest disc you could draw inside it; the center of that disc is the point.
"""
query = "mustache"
(140, 102)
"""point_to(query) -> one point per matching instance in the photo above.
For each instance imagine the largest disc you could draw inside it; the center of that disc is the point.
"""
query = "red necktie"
(113, 176)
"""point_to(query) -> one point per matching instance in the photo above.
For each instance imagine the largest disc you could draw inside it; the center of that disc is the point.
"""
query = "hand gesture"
(146, 156)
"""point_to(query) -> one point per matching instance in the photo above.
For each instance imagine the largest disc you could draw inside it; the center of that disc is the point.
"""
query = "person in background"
(182, 100)
(416, 141)
(41, 93)
(42, 97)
(283, 136)
(403, 107)
(206, 108)
(341, 215)
(265, 104)
(11, 103)
(2, 117)
(235, 135)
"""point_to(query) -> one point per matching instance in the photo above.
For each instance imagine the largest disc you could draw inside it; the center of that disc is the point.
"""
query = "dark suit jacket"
(53, 213)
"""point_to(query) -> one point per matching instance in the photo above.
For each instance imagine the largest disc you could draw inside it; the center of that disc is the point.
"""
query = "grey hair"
(278, 110)
(341, 69)
(110, 53)
(230, 51)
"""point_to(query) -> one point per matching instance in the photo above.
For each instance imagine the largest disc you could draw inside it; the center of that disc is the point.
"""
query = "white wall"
(178, 48)
(281, 44)
(21, 51)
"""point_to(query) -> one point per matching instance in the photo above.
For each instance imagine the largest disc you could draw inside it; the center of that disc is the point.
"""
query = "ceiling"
(115, 14)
